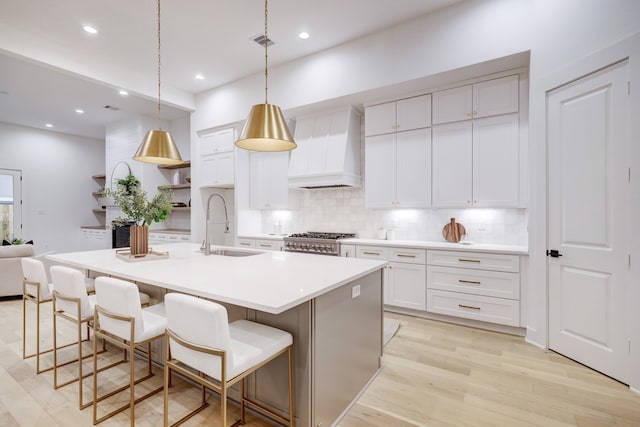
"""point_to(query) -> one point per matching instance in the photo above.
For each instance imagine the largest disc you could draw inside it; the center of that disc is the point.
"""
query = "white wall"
(56, 184)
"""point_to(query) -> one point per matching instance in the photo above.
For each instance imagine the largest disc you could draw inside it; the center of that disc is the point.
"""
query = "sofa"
(11, 268)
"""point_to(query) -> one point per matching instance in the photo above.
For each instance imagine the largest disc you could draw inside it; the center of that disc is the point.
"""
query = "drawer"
(476, 260)
(269, 245)
(372, 252)
(476, 307)
(247, 243)
(478, 282)
(413, 256)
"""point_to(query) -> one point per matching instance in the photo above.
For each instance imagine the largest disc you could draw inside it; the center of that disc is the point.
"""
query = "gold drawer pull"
(371, 253)
(405, 256)
(245, 244)
(468, 260)
(468, 306)
(473, 282)
(264, 246)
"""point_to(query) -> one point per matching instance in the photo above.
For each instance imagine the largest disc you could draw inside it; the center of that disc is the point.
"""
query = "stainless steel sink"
(232, 253)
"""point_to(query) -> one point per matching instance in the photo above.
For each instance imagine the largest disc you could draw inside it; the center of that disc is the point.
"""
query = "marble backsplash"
(343, 210)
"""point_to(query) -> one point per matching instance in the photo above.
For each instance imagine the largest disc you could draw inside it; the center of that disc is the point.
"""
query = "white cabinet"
(474, 285)
(398, 170)
(217, 159)
(269, 188)
(348, 251)
(218, 170)
(160, 238)
(263, 244)
(405, 275)
(484, 99)
(396, 116)
(476, 163)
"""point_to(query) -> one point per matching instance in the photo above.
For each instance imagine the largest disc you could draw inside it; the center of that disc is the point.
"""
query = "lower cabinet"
(474, 285)
(264, 244)
(405, 276)
(159, 238)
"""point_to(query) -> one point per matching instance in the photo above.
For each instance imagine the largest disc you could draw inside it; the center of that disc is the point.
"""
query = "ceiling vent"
(111, 107)
(260, 39)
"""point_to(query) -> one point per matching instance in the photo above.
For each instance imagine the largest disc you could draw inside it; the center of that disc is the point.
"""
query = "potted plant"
(139, 211)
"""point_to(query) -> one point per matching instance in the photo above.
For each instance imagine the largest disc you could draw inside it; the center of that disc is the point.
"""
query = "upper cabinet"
(484, 99)
(217, 158)
(396, 116)
(398, 154)
(269, 188)
(475, 163)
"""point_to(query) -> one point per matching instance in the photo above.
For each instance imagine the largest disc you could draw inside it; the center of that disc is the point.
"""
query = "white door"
(588, 211)
(10, 204)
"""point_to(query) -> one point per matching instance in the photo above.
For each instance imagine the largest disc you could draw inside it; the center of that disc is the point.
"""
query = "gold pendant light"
(158, 146)
(265, 128)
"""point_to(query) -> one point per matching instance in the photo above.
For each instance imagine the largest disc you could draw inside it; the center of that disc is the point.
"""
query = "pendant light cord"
(159, 120)
(266, 43)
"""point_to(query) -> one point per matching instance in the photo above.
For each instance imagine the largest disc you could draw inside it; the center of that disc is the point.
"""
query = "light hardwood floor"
(434, 374)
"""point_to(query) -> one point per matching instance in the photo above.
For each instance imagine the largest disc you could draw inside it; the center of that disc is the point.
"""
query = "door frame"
(537, 292)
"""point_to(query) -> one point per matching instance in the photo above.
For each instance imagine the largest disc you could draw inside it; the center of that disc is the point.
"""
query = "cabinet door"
(407, 285)
(451, 165)
(216, 142)
(380, 171)
(269, 182)
(413, 113)
(452, 105)
(413, 169)
(348, 251)
(497, 96)
(496, 161)
(300, 156)
(217, 170)
(380, 119)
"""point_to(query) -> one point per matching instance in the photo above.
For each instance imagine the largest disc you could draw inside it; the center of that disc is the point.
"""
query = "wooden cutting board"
(453, 231)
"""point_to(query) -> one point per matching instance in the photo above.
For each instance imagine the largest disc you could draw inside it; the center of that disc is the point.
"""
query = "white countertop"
(481, 247)
(272, 281)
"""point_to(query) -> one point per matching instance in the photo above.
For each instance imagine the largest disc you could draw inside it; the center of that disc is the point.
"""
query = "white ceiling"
(49, 66)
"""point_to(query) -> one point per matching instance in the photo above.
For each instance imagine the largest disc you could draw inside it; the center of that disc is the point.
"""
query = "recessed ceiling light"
(123, 92)
(303, 35)
(49, 125)
(89, 29)
(199, 77)
(79, 111)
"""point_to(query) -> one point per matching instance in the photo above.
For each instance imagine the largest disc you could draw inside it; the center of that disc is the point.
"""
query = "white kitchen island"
(331, 305)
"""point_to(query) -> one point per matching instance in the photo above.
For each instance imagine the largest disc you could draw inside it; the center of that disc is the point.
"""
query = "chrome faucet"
(207, 243)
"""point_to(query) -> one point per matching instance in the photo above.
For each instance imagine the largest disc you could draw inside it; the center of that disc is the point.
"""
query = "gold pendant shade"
(158, 147)
(266, 130)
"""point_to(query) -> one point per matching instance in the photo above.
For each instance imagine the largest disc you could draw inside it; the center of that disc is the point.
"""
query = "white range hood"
(328, 153)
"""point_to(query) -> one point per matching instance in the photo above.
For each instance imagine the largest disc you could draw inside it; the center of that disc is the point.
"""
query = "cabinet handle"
(265, 246)
(475, 113)
(468, 306)
(468, 114)
(245, 244)
(371, 253)
(473, 282)
(405, 256)
(468, 260)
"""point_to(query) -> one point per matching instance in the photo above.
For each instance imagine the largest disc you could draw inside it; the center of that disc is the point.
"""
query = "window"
(10, 204)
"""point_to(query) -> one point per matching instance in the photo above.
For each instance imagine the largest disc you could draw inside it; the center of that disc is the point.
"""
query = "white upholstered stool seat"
(121, 320)
(37, 289)
(200, 337)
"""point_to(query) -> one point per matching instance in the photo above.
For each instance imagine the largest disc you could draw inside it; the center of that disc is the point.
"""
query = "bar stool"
(36, 289)
(71, 302)
(121, 320)
(200, 337)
